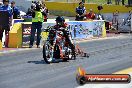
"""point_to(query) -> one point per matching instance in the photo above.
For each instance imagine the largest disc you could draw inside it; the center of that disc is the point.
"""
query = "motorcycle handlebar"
(53, 29)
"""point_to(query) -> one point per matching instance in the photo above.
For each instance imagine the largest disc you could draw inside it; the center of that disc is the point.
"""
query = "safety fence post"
(131, 22)
(0, 45)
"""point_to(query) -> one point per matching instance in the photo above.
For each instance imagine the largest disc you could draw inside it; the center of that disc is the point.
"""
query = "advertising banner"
(83, 29)
(26, 32)
(86, 29)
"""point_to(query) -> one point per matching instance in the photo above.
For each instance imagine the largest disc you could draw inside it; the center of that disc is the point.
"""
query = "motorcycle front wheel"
(47, 53)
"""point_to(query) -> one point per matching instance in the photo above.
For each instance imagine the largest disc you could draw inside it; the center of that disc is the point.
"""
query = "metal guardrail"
(122, 24)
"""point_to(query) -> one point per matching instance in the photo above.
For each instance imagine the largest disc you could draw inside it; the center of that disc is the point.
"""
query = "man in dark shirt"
(80, 12)
(130, 2)
(123, 2)
(5, 7)
(15, 10)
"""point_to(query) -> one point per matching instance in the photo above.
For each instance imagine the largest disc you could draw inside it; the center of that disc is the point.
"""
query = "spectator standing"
(15, 10)
(109, 2)
(130, 2)
(123, 2)
(6, 27)
(115, 19)
(99, 16)
(80, 12)
(115, 16)
(117, 2)
(37, 20)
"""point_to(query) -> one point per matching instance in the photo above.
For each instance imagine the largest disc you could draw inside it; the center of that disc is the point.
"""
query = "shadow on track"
(43, 62)
(37, 62)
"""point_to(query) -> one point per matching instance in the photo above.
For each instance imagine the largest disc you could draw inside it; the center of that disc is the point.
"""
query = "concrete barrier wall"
(83, 29)
(15, 36)
(68, 9)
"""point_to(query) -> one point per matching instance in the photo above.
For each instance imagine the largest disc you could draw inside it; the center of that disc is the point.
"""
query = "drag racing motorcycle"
(56, 47)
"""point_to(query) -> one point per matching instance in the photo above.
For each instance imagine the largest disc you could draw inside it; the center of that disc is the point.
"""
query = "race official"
(80, 12)
(6, 7)
(37, 20)
(15, 10)
(6, 27)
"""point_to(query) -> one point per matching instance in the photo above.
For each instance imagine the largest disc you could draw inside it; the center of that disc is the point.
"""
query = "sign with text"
(82, 29)
(26, 32)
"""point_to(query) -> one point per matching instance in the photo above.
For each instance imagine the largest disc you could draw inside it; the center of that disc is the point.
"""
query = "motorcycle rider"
(60, 23)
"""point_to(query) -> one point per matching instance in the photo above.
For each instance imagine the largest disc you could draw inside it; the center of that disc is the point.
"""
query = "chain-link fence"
(116, 2)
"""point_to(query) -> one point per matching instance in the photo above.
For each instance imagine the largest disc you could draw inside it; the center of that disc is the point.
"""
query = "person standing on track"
(37, 20)
(6, 27)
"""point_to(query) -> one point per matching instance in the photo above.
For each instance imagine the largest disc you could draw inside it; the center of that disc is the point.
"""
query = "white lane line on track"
(16, 50)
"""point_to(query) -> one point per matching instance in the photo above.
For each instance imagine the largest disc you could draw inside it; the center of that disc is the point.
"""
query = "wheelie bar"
(81, 52)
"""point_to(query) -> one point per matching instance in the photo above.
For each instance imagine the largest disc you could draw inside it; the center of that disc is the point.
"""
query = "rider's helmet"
(60, 20)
